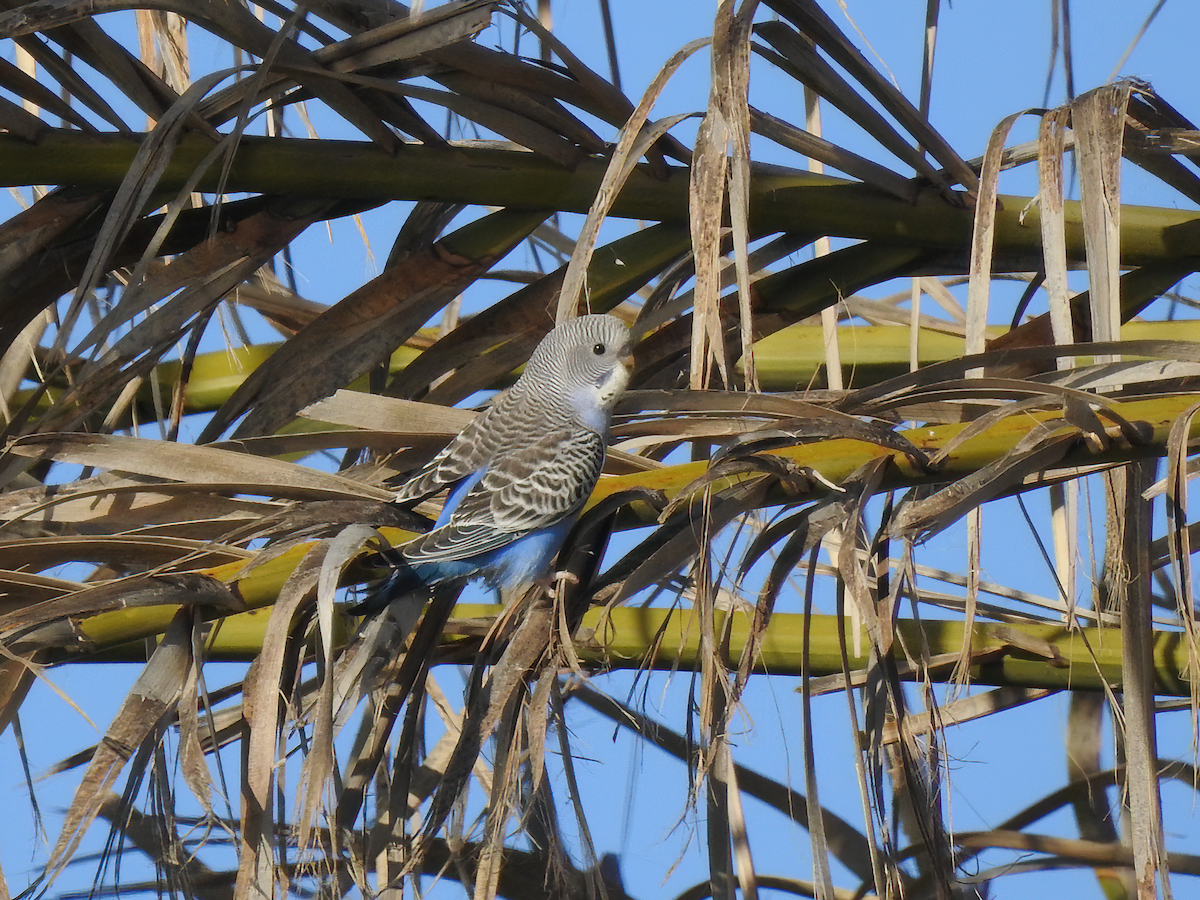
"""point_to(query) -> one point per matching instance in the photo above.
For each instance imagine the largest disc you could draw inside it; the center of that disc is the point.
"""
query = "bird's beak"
(626, 358)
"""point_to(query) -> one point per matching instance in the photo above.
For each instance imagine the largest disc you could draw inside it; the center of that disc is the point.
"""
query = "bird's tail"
(398, 580)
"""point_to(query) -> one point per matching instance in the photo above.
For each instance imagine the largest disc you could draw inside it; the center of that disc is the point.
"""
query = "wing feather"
(524, 490)
(467, 452)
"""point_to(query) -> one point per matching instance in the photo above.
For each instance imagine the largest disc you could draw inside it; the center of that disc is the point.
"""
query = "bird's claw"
(558, 581)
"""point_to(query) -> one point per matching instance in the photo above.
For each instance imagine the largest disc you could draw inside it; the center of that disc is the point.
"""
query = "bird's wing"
(469, 451)
(523, 490)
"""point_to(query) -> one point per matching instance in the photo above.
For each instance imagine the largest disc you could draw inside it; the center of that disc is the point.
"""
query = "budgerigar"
(519, 473)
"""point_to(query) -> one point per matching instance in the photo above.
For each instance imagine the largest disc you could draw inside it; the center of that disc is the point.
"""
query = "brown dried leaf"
(210, 466)
(1098, 118)
(318, 769)
(366, 326)
(817, 26)
(355, 409)
(983, 236)
(636, 138)
(141, 719)
(192, 762)
(814, 147)
(1051, 144)
(116, 504)
(1043, 446)
(796, 56)
(261, 706)
(37, 554)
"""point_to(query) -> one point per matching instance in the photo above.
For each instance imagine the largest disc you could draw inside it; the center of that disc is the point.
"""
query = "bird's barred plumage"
(519, 473)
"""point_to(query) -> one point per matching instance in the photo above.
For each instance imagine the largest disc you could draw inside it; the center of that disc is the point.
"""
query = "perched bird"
(519, 473)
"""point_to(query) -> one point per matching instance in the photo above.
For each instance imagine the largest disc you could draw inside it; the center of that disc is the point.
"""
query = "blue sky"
(992, 60)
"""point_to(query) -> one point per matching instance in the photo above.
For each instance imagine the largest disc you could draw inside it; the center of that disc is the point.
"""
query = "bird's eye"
(599, 349)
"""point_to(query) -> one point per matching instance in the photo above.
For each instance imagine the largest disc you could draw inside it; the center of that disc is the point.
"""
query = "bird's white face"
(613, 384)
(582, 360)
(600, 347)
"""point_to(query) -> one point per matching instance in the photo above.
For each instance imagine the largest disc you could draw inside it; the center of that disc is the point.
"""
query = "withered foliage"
(762, 463)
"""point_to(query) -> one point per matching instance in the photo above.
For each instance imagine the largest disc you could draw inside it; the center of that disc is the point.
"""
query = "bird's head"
(582, 358)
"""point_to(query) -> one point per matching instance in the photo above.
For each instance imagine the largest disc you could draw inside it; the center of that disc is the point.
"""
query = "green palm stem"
(791, 201)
